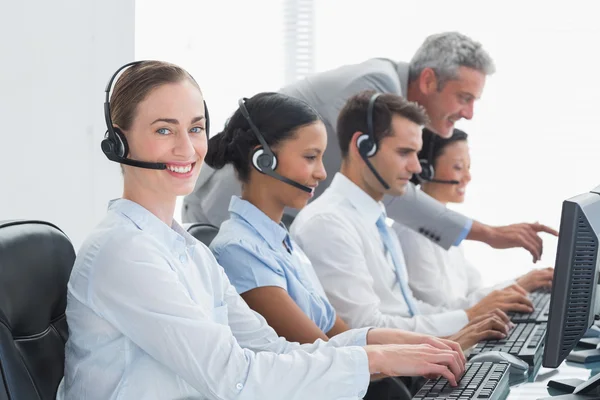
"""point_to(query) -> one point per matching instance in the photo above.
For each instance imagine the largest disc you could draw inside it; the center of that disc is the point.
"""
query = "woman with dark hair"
(276, 144)
(459, 284)
(152, 315)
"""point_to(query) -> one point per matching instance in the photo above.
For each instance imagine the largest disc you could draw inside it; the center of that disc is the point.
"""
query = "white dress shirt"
(457, 283)
(153, 316)
(339, 235)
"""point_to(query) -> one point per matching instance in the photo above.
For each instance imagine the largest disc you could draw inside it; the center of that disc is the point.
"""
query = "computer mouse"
(516, 364)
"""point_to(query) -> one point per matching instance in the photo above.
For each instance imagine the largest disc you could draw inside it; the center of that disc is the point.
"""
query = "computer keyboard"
(480, 381)
(525, 341)
(541, 305)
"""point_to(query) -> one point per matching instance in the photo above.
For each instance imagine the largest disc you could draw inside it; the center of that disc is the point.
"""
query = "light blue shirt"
(464, 233)
(250, 248)
(153, 316)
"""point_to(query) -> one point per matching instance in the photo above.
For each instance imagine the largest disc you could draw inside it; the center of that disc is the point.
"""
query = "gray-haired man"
(446, 75)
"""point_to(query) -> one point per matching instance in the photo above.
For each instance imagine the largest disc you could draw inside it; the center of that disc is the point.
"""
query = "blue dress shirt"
(153, 316)
(250, 248)
(464, 233)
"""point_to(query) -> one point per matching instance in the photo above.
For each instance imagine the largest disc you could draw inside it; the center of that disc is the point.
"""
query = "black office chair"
(36, 259)
(287, 220)
(203, 232)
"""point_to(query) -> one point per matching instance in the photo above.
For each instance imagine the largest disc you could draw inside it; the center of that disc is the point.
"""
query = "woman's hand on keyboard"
(516, 288)
(415, 360)
(489, 326)
(537, 279)
(505, 300)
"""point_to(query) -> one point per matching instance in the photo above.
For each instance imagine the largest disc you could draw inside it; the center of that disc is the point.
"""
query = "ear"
(428, 82)
(118, 128)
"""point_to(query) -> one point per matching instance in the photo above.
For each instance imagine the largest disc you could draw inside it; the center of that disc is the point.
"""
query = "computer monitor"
(573, 303)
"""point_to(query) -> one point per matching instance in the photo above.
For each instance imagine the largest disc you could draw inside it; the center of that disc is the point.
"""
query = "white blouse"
(441, 277)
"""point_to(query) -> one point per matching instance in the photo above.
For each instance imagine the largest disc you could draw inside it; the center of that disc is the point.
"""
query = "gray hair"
(445, 53)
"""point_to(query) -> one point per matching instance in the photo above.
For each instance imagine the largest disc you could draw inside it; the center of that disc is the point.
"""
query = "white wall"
(57, 57)
(230, 54)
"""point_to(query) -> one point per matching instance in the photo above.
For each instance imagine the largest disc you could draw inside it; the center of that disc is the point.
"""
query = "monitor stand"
(589, 343)
(584, 356)
(577, 389)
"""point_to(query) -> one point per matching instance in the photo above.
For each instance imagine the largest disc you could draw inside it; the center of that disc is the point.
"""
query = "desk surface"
(535, 388)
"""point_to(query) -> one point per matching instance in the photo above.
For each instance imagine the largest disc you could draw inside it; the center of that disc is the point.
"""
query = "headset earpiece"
(108, 146)
(427, 171)
(121, 147)
(366, 146)
(366, 143)
(115, 145)
(263, 158)
(263, 161)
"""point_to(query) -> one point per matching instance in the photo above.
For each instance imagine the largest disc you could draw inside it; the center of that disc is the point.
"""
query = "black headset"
(427, 171)
(114, 145)
(263, 158)
(366, 143)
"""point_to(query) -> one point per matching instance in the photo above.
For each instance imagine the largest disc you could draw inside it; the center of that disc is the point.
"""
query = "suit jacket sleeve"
(425, 215)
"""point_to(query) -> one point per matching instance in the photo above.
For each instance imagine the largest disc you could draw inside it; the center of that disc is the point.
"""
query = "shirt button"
(239, 386)
(182, 258)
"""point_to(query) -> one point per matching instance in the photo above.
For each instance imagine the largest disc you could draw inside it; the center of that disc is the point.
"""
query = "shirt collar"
(146, 221)
(272, 232)
(364, 204)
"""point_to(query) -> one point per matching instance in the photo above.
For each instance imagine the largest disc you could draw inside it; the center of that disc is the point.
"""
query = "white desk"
(535, 388)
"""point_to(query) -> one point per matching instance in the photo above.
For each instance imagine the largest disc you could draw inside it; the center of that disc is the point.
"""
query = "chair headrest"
(36, 259)
(287, 220)
(205, 233)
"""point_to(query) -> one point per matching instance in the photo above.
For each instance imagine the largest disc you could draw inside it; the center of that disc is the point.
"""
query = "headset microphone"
(427, 171)
(114, 145)
(366, 143)
(450, 182)
(263, 158)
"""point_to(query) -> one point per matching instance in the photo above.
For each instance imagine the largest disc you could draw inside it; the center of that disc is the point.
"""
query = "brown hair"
(136, 82)
(353, 117)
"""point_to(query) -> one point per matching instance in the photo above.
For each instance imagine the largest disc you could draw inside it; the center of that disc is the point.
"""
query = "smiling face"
(454, 163)
(452, 102)
(168, 127)
(299, 158)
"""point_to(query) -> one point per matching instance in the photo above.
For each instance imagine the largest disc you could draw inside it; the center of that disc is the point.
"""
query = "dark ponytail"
(219, 153)
(277, 116)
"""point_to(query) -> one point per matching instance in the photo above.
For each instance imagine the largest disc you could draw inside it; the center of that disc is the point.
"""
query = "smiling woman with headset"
(152, 315)
(445, 175)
